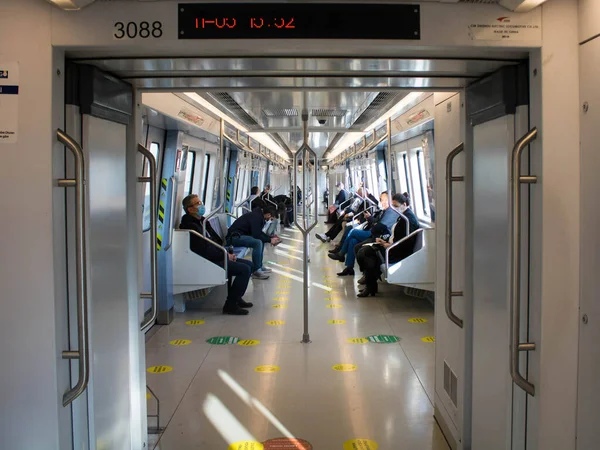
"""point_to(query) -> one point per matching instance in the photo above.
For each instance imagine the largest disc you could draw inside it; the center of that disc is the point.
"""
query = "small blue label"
(14, 90)
(3, 73)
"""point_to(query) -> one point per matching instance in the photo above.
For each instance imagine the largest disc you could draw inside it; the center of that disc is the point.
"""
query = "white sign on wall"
(9, 102)
(516, 27)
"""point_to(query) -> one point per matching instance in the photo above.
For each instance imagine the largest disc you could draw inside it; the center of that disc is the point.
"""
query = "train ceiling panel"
(269, 94)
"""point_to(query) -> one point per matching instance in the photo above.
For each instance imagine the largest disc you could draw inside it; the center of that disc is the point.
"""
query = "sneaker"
(265, 269)
(259, 275)
(322, 237)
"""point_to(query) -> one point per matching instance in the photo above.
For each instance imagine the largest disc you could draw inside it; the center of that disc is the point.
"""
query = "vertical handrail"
(515, 262)
(449, 293)
(82, 354)
(153, 180)
(220, 177)
(390, 183)
(172, 211)
(305, 228)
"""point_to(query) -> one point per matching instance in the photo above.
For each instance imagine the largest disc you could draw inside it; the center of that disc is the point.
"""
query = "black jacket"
(199, 245)
(414, 224)
(340, 198)
(249, 224)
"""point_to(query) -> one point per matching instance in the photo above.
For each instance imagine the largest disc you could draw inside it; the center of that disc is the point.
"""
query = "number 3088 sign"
(134, 30)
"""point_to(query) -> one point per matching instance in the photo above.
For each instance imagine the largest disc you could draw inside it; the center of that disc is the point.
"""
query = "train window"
(189, 173)
(403, 173)
(155, 150)
(205, 180)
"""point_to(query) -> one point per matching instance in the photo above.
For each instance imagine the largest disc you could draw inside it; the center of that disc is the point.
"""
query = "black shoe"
(365, 293)
(243, 304)
(346, 271)
(337, 257)
(234, 310)
(335, 249)
(363, 280)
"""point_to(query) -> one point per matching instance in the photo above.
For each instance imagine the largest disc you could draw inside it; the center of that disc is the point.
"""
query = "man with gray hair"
(238, 268)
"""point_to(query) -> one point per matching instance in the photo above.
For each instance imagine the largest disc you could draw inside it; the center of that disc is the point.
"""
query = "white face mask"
(403, 207)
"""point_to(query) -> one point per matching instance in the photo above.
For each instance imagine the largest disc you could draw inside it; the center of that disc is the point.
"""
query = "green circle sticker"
(383, 339)
(223, 340)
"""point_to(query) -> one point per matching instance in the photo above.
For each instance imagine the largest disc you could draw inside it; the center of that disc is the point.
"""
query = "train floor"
(365, 382)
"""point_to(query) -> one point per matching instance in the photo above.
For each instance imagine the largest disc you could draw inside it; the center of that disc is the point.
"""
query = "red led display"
(298, 21)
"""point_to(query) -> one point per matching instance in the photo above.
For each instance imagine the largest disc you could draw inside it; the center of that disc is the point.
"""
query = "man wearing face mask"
(339, 199)
(387, 219)
(238, 268)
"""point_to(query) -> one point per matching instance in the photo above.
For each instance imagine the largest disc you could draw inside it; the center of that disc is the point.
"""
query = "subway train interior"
(299, 225)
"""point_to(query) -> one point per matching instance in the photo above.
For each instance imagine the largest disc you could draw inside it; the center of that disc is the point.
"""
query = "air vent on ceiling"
(376, 109)
(280, 112)
(328, 112)
(487, 2)
(240, 114)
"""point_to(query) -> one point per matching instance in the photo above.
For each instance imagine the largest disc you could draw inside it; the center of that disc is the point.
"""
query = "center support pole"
(305, 226)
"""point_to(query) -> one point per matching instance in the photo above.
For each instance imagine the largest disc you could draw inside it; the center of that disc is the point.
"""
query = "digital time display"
(298, 21)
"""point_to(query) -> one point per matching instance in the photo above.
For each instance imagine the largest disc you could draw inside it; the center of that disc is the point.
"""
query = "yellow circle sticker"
(417, 320)
(279, 305)
(248, 342)
(336, 322)
(428, 339)
(360, 444)
(159, 369)
(246, 445)
(333, 305)
(148, 396)
(180, 342)
(345, 367)
(280, 299)
(267, 369)
(358, 340)
(275, 322)
(195, 322)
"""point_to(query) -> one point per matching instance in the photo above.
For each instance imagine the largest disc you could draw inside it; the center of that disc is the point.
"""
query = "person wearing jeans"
(239, 270)
(247, 231)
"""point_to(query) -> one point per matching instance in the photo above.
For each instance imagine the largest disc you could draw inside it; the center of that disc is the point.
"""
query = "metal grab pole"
(448, 292)
(390, 183)
(516, 346)
(305, 152)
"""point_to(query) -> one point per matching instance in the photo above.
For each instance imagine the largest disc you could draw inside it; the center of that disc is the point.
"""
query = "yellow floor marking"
(417, 320)
(345, 367)
(360, 444)
(195, 322)
(336, 322)
(275, 322)
(428, 339)
(246, 445)
(267, 369)
(248, 342)
(357, 340)
(279, 305)
(159, 369)
(180, 342)
(333, 305)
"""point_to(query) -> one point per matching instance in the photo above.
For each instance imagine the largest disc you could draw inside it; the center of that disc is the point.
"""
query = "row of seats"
(192, 272)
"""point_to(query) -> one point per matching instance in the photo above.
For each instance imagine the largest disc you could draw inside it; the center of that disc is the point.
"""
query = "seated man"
(339, 199)
(285, 209)
(252, 198)
(355, 207)
(387, 219)
(238, 269)
(366, 216)
(247, 231)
